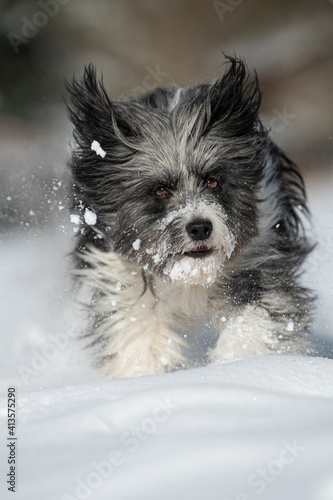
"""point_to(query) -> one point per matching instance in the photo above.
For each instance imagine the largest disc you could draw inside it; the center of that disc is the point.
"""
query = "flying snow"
(95, 146)
(75, 219)
(90, 217)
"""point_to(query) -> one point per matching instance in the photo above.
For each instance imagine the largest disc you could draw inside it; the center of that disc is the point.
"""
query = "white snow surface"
(197, 434)
(259, 428)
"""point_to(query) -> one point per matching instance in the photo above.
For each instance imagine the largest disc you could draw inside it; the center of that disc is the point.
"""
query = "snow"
(75, 219)
(204, 433)
(290, 326)
(183, 269)
(95, 146)
(189, 207)
(192, 270)
(136, 244)
(90, 217)
(156, 258)
(260, 428)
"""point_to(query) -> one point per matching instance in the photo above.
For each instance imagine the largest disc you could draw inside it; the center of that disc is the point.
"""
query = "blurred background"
(140, 44)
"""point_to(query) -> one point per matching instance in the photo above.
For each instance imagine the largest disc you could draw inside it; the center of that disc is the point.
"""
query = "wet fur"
(139, 320)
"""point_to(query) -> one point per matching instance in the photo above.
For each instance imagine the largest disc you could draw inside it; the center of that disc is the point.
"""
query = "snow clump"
(90, 217)
(95, 146)
(136, 245)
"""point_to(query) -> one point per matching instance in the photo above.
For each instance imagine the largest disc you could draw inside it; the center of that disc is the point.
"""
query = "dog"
(191, 233)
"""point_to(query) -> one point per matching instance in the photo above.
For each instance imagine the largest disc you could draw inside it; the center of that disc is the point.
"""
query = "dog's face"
(176, 191)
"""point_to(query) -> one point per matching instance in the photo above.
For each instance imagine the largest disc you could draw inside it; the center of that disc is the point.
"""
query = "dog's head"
(172, 176)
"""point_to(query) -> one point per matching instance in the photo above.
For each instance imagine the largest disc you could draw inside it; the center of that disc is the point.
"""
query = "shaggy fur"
(199, 227)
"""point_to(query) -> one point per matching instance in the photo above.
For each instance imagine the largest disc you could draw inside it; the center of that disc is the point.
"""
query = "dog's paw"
(142, 357)
(251, 333)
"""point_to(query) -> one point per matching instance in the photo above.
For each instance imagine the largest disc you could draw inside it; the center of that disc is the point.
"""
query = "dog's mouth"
(199, 252)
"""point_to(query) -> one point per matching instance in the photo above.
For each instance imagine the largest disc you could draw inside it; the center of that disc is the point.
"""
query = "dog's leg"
(126, 322)
(140, 343)
(252, 331)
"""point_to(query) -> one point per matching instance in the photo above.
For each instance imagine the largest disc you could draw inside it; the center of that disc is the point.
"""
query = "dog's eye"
(212, 183)
(161, 191)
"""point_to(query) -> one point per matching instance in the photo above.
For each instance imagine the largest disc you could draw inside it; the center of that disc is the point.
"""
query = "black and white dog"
(191, 219)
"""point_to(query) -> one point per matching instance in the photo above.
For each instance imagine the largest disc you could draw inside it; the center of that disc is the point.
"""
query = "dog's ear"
(93, 114)
(234, 101)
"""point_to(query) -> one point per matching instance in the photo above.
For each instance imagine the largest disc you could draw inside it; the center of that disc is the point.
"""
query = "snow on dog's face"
(174, 178)
(188, 241)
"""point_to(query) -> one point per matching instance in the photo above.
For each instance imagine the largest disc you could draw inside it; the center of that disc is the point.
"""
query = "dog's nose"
(199, 229)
